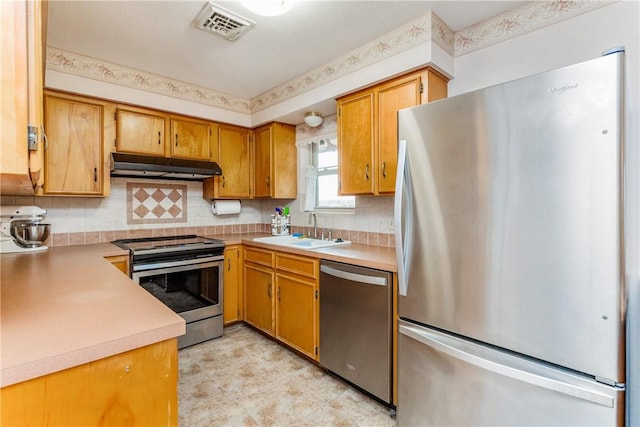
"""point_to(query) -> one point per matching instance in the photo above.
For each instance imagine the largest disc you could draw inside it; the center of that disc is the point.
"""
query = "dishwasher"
(356, 326)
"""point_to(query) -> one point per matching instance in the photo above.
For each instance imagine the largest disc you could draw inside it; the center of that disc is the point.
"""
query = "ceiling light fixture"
(268, 7)
(313, 119)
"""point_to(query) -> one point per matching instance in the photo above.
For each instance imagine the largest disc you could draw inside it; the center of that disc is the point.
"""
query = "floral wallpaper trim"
(530, 17)
(412, 34)
(84, 66)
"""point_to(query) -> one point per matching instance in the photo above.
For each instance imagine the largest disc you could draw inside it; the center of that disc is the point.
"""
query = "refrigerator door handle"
(402, 217)
(451, 349)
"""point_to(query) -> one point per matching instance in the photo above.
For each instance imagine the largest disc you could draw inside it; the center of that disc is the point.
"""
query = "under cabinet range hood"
(129, 165)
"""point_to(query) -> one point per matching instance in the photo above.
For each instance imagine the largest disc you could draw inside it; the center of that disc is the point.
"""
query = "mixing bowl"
(29, 234)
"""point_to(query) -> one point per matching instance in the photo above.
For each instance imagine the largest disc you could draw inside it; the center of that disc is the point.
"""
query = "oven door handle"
(176, 265)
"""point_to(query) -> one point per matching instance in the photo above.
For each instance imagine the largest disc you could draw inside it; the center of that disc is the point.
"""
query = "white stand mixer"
(28, 214)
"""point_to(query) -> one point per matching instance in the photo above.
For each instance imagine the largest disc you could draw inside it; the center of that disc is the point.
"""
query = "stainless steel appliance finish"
(473, 384)
(131, 165)
(509, 234)
(355, 326)
(186, 274)
(22, 229)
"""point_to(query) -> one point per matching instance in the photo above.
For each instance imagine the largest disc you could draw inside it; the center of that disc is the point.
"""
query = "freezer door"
(447, 381)
(509, 216)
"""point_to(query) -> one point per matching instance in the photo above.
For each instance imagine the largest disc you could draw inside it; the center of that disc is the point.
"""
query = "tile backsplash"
(79, 220)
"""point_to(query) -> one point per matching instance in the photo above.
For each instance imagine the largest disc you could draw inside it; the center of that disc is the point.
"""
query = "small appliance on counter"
(22, 230)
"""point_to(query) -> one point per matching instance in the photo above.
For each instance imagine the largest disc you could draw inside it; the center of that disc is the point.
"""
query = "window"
(325, 159)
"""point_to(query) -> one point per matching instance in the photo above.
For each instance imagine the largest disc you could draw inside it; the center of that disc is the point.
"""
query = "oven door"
(194, 291)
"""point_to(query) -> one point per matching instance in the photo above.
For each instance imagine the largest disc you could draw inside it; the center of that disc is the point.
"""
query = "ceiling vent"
(218, 20)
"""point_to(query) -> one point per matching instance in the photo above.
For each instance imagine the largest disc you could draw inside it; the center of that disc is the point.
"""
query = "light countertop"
(68, 306)
(382, 258)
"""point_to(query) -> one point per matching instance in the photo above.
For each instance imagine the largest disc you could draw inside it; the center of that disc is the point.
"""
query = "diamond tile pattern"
(149, 203)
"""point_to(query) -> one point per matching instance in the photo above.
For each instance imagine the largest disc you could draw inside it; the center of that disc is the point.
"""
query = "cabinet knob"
(278, 293)
(222, 181)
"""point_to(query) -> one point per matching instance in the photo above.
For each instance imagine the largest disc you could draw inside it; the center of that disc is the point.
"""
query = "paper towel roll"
(225, 207)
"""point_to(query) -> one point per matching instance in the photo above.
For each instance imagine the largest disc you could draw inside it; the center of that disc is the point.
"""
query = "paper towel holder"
(226, 207)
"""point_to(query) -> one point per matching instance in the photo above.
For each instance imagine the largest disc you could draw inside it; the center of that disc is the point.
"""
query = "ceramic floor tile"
(246, 379)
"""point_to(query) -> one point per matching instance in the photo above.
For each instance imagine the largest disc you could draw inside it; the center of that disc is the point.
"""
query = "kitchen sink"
(300, 242)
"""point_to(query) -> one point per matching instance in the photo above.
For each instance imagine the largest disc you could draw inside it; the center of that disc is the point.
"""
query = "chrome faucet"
(315, 224)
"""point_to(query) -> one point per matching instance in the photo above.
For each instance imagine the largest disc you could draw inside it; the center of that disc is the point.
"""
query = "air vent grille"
(220, 21)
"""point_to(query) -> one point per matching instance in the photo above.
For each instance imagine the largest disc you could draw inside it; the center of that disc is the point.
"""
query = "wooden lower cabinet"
(297, 313)
(232, 290)
(258, 297)
(135, 388)
(121, 262)
(281, 297)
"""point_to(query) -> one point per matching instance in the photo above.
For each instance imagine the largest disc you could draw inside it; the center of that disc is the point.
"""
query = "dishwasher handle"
(354, 277)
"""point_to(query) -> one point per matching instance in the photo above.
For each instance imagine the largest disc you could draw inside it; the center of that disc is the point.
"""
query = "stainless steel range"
(185, 273)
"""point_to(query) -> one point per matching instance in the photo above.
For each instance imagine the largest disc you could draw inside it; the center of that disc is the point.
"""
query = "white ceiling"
(159, 37)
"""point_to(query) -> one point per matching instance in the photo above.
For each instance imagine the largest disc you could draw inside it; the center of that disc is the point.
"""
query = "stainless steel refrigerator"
(510, 244)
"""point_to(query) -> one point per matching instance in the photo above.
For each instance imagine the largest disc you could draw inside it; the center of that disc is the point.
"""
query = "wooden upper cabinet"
(140, 131)
(262, 164)
(392, 97)
(190, 139)
(369, 120)
(74, 154)
(355, 143)
(234, 158)
(275, 161)
(23, 29)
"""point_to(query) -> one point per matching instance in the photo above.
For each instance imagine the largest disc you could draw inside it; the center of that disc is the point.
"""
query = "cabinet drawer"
(258, 256)
(296, 264)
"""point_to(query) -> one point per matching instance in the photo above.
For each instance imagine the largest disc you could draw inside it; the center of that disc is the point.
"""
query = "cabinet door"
(232, 295)
(284, 162)
(393, 96)
(296, 313)
(234, 158)
(74, 152)
(262, 154)
(137, 387)
(21, 95)
(403, 92)
(140, 132)
(258, 297)
(355, 143)
(190, 139)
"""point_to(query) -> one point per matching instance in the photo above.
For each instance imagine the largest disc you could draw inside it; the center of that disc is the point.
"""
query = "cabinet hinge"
(32, 138)
(115, 116)
(421, 87)
(316, 294)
